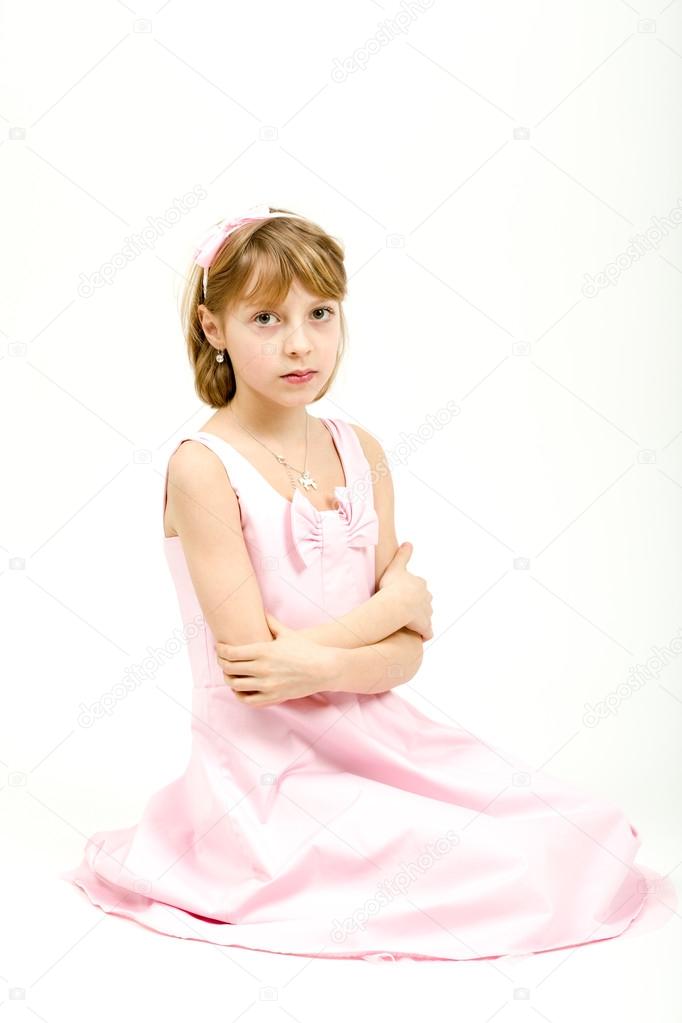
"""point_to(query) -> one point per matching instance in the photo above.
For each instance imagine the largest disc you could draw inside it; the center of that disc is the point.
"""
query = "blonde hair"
(278, 251)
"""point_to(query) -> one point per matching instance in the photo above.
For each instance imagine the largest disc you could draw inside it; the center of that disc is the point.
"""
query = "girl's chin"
(282, 391)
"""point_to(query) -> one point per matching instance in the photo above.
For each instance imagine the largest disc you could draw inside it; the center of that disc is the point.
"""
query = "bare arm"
(378, 667)
(385, 612)
(383, 661)
(205, 512)
(369, 622)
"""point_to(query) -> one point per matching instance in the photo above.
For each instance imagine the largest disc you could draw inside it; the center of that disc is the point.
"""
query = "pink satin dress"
(351, 825)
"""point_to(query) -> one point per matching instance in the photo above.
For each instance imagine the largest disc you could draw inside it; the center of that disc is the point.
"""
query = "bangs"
(266, 271)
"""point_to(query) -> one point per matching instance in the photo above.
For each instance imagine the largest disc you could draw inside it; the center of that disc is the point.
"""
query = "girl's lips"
(299, 378)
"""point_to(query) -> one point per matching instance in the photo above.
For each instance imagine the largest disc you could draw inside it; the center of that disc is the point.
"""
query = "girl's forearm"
(367, 624)
(377, 667)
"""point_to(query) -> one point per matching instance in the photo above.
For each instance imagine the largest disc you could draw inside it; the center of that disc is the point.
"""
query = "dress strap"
(222, 449)
(358, 469)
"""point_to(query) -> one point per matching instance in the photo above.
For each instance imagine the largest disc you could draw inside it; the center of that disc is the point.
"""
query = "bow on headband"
(213, 241)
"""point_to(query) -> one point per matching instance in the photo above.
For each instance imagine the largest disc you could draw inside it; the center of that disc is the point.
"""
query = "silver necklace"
(304, 478)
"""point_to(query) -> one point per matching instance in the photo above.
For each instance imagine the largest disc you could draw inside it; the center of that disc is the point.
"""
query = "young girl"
(320, 813)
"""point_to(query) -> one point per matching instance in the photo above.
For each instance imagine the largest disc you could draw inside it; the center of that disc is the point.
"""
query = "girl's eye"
(325, 308)
(259, 322)
(320, 309)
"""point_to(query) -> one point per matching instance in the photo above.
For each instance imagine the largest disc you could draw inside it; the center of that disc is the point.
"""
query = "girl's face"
(264, 343)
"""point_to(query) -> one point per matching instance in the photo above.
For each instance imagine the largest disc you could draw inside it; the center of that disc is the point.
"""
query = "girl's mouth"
(299, 378)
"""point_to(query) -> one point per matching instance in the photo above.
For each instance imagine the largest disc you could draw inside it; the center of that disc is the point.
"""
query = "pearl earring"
(220, 357)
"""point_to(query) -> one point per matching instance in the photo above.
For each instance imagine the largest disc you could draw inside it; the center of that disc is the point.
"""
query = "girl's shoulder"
(371, 448)
(192, 471)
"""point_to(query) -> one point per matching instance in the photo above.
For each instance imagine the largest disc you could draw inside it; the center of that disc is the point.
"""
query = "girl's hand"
(286, 668)
(413, 590)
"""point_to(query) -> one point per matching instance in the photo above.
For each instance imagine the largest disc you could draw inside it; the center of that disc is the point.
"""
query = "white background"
(477, 162)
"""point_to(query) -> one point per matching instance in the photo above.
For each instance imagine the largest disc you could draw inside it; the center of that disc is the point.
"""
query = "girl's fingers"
(242, 685)
(233, 650)
(251, 668)
(255, 702)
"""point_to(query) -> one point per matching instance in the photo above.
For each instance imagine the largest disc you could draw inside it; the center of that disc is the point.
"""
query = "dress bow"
(362, 523)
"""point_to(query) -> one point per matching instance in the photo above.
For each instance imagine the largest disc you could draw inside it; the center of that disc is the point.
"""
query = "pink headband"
(213, 241)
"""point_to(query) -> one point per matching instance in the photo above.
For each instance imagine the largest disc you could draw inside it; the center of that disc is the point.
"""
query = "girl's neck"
(285, 425)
